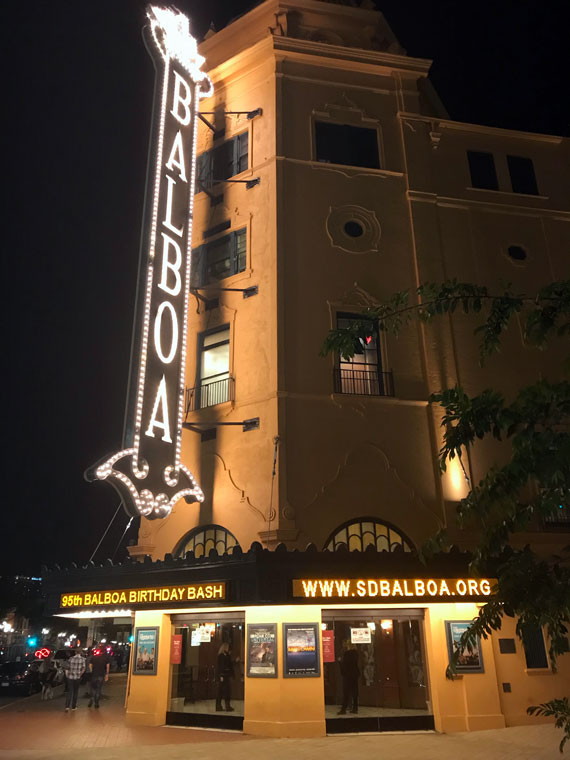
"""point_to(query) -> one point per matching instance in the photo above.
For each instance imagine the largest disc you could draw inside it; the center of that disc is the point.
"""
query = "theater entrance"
(375, 675)
(198, 698)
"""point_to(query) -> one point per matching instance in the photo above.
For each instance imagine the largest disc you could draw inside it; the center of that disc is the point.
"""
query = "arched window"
(366, 531)
(204, 538)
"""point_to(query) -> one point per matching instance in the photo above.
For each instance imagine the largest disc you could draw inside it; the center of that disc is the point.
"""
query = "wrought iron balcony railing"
(363, 382)
(209, 393)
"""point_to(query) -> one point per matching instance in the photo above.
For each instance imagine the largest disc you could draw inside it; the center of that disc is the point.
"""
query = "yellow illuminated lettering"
(309, 588)
(107, 597)
(192, 592)
(384, 588)
(218, 591)
(180, 99)
(326, 588)
(132, 596)
(123, 597)
(406, 592)
(373, 588)
(420, 587)
(472, 585)
(485, 587)
(200, 593)
(461, 587)
(397, 589)
(176, 157)
(181, 592)
(361, 588)
(432, 587)
(443, 588)
(87, 598)
(143, 595)
(161, 401)
(115, 597)
(342, 588)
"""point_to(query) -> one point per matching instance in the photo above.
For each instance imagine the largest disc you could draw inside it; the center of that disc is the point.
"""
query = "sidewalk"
(34, 730)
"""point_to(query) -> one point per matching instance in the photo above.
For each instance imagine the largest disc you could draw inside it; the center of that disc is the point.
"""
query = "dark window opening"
(353, 229)
(219, 259)
(517, 253)
(534, 649)
(222, 162)
(523, 179)
(482, 170)
(362, 374)
(347, 145)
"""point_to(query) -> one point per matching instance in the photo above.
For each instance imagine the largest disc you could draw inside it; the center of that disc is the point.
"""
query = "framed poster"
(262, 650)
(468, 662)
(301, 657)
(360, 636)
(146, 651)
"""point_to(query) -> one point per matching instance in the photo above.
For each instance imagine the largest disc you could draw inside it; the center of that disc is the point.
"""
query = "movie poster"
(301, 658)
(145, 652)
(469, 661)
(262, 650)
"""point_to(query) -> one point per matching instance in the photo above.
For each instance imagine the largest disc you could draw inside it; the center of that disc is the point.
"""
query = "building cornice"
(461, 126)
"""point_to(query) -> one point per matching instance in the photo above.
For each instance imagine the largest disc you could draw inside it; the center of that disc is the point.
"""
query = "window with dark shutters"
(222, 162)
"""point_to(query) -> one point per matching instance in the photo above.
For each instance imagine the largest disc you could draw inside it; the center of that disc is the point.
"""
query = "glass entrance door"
(375, 677)
(207, 685)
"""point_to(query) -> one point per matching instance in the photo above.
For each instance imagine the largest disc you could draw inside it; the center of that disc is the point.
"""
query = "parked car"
(22, 677)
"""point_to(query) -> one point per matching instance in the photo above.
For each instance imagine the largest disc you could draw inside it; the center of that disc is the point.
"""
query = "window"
(219, 259)
(364, 532)
(534, 649)
(347, 145)
(523, 179)
(213, 384)
(222, 162)
(205, 538)
(482, 170)
(362, 374)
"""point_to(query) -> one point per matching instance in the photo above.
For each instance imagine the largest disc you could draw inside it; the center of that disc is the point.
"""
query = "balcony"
(363, 382)
(561, 519)
(209, 394)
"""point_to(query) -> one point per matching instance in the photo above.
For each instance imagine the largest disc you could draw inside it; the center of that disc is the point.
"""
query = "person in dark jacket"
(349, 672)
(225, 672)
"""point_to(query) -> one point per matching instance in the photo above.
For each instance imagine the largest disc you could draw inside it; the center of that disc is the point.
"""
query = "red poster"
(176, 649)
(328, 646)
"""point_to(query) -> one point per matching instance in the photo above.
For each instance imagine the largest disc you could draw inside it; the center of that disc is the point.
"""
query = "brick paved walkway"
(35, 730)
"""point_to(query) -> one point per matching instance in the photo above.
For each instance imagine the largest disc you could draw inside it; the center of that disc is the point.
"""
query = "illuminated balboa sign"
(148, 472)
(195, 592)
(394, 589)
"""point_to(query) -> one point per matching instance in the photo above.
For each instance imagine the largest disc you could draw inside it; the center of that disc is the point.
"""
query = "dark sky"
(77, 94)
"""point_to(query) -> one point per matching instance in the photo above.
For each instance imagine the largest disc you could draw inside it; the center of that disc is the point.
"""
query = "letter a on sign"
(148, 472)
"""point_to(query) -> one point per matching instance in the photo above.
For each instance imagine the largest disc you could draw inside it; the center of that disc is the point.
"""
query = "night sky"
(77, 93)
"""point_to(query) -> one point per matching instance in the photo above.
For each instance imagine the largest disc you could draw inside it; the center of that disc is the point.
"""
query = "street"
(37, 730)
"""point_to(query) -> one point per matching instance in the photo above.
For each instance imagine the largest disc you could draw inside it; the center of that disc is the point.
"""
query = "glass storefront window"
(379, 666)
(208, 679)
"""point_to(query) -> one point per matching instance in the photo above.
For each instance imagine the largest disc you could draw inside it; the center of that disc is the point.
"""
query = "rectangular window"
(523, 179)
(482, 170)
(222, 162)
(534, 649)
(213, 381)
(362, 374)
(347, 145)
(219, 259)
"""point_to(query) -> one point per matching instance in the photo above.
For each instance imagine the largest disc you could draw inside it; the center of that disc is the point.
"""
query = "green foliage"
(544, 315)
(559, 709)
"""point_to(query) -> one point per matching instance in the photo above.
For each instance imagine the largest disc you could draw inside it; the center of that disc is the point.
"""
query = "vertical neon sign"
(148, 472)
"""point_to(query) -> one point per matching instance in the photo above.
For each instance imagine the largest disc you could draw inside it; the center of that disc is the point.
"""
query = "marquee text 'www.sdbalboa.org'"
(393, 587)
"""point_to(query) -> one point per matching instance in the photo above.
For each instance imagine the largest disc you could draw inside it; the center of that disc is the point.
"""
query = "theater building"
(328, 174)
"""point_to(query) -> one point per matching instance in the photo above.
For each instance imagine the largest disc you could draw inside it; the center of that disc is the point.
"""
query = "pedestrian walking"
(99, 666)
(225, 674)
(74, 670)
(349, 672)
(48, 677)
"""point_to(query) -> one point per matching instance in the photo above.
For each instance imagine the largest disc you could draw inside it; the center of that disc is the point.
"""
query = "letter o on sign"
(165, 306)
